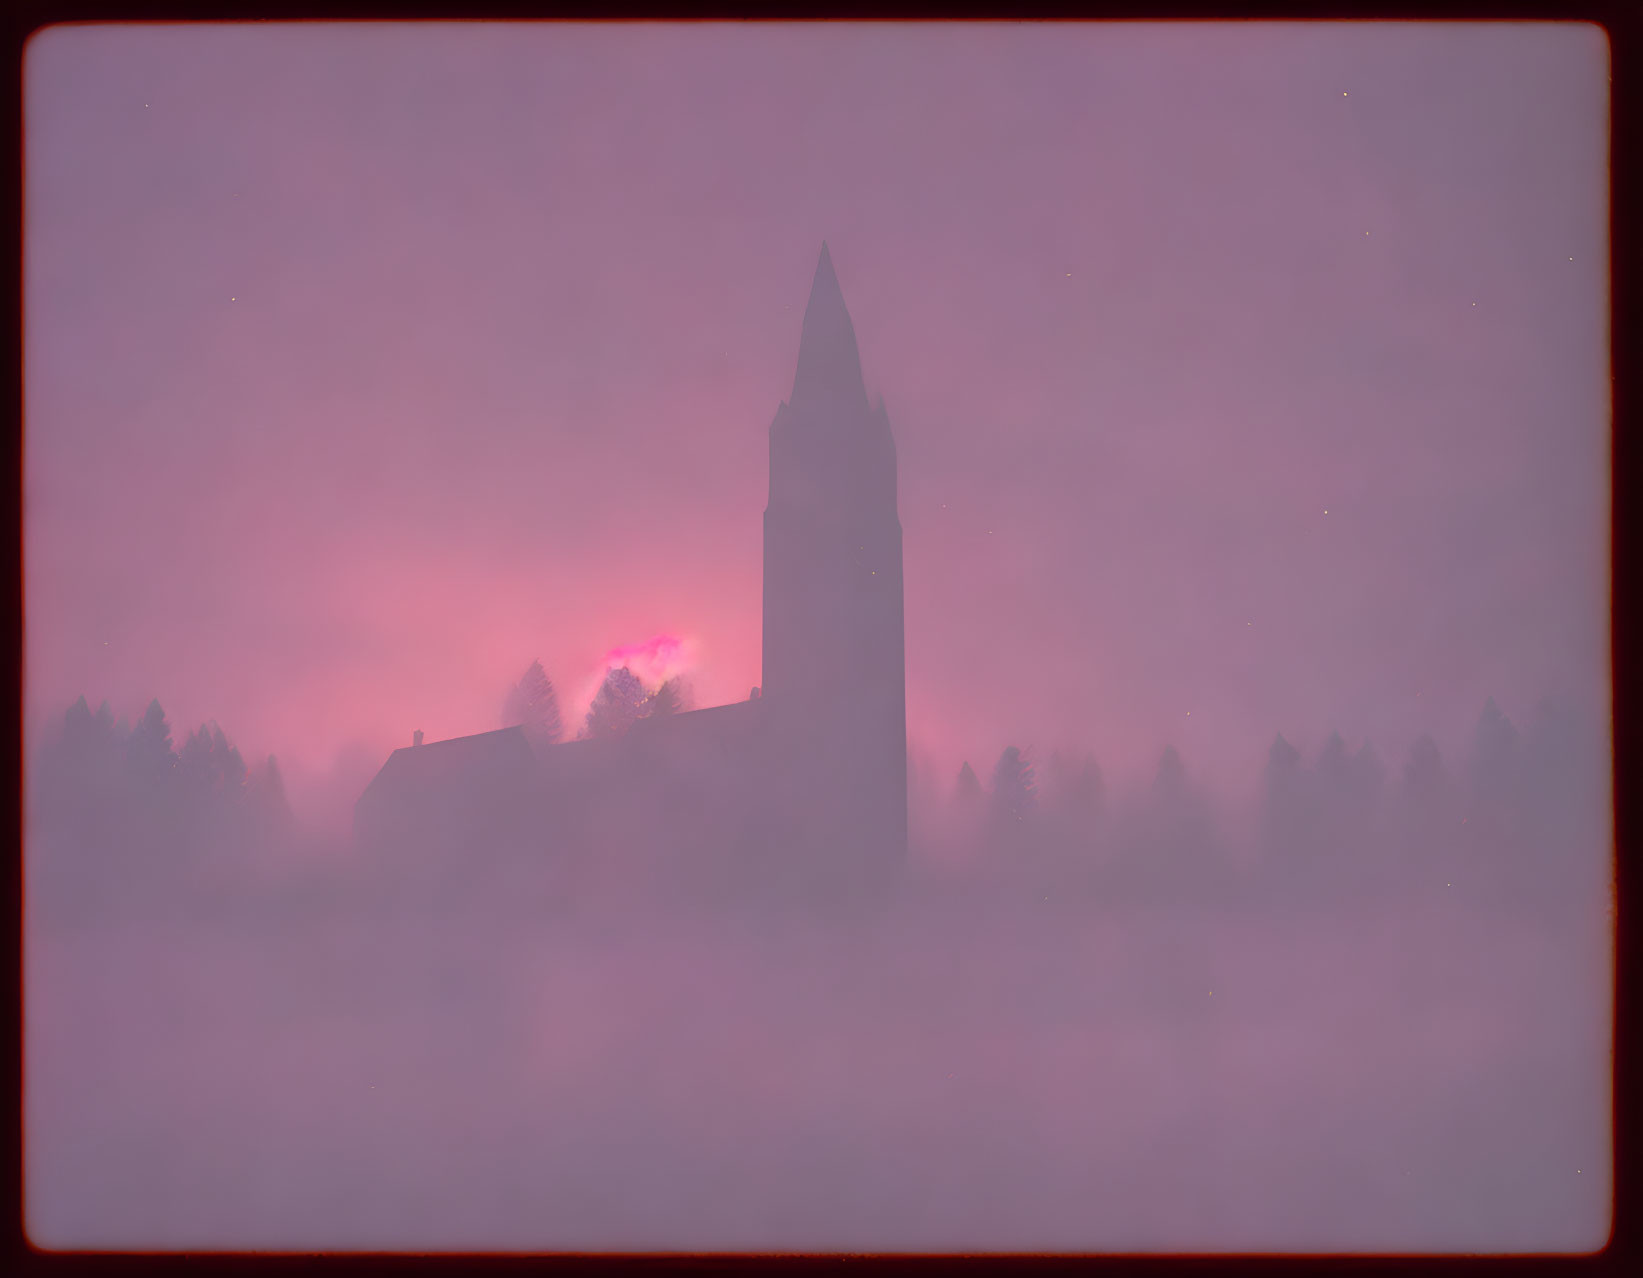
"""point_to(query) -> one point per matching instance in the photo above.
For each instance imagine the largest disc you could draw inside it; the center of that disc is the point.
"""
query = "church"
(803, 786)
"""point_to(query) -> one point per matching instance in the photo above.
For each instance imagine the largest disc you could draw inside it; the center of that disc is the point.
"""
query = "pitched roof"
(415, 773)
(459, 759)
(715, 726)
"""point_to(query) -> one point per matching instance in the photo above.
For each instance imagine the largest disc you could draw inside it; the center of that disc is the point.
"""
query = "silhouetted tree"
(1368, 774)
(79, 790)
(533, 703)
(1286, 812)
(1346, 836)
(265, 789)
(618, 703)
(1424, 776)
(1281, 757)
(88, 739)
(150, 760)
(1161, 835)
(70, 818)
(1170, 782)
(1015, 797)
(1365, 809)
(1494, 762)
(209, 768)
(1332, 794)
(1334, 766)
(1180, 827)
(969, 785)
(1431, 820)
(671, 697)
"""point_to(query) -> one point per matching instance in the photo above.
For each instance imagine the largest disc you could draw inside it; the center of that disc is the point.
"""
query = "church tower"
(834, 680)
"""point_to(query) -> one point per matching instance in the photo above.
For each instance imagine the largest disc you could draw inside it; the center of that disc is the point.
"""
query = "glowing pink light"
(654, 660)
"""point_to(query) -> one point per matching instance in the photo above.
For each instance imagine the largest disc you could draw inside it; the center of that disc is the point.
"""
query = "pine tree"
(88, 739)
(77, 721)
(265, 788)
(1170, 782)
(79, 777)
(1175, 831)
(969, 785)
(533, 703)
(1286, 802)
(1334, 767)
(617, 705)
(1015, 796)
(672, 696)
(1368, 772)
(209, 767)
(150, 760)
(1430, 811)
(227, 767)
(194, 765)
(1494, 763)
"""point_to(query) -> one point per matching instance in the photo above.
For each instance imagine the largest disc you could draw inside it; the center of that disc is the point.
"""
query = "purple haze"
(1242, 379)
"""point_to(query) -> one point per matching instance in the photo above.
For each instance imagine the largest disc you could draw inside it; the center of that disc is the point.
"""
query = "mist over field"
(1116, 1026)
(817, 638)
(1184, 1080)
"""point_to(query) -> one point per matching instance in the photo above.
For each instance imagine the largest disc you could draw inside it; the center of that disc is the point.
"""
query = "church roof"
(723, 726)
(437, 766)
(439, 763)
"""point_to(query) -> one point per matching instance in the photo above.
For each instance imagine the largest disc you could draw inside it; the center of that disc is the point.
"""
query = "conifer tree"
(669, 698)
(617, 705)
(1015, 797)
(1170, 782)
(150, 759)
(533, 703)
(265, 788)
(1494, 762)
(1286, 801)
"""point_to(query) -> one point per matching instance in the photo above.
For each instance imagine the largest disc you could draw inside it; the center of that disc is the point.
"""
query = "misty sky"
(1243, 378)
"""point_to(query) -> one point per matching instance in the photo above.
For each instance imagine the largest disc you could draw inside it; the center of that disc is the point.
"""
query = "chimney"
(416, 737)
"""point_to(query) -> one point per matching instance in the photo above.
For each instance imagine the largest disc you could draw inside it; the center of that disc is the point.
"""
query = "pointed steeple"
(829, 373)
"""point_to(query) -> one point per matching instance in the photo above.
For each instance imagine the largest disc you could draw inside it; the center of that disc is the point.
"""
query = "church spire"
(829, 371)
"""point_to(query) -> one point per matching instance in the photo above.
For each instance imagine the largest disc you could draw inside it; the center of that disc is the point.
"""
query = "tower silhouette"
(834, 679)
(804, 785)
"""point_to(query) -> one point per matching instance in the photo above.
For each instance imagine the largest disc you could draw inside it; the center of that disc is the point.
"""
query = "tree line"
(112, 804)
(1516, 811)
(621, 701)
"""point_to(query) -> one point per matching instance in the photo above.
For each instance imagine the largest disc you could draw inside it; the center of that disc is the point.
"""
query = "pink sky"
(366, 364)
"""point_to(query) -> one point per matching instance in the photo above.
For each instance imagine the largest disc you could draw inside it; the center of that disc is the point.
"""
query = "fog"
(1050, 1079)
(366, 364)
(1152, 1026)
(1144, 783)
